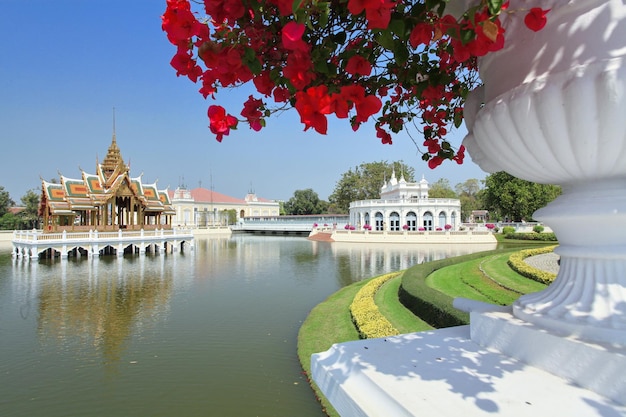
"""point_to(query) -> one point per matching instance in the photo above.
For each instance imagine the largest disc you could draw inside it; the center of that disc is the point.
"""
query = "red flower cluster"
(398, 62)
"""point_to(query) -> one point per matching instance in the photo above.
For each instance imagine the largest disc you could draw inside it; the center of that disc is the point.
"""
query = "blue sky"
(67, 63)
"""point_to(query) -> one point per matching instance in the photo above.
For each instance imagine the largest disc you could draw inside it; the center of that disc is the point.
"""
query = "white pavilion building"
(406, 206)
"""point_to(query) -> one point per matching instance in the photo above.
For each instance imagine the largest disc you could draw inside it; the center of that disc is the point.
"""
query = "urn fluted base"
(588, 297)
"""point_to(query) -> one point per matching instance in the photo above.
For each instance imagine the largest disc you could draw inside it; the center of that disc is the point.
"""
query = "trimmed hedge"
(432, 306)
(541, 237)
(516, 262)
(367, 318)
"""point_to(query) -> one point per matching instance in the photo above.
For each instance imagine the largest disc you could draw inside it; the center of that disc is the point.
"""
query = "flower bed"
(367, 318)
(516, 262)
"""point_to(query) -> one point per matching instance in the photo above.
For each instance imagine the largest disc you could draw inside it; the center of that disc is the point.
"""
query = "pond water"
(209, 332)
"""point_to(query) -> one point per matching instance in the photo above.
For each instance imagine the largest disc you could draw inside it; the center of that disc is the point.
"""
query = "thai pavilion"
(108, 200)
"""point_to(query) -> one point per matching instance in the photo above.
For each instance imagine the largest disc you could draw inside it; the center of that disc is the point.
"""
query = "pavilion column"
(132, 211)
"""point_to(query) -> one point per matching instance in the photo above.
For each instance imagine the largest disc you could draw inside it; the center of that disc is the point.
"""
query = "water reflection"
(359, 260)
(185, 334)
(97, 304)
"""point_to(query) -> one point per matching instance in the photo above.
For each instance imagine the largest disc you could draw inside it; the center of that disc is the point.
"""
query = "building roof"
(203, 195)
(93, 190)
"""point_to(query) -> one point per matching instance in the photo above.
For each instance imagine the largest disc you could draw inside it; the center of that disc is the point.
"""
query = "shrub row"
(516, 262)
(432, 306)
(541, 237)
(366, 316)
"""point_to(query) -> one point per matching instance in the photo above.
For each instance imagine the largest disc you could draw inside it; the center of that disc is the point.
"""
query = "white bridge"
(289, 224)
(33, 243)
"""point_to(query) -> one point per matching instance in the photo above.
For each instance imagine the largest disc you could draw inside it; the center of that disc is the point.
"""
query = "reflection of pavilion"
(106, 212)
(104, 306)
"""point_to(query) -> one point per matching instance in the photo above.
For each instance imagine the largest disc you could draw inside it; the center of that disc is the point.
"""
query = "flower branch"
(397, 63)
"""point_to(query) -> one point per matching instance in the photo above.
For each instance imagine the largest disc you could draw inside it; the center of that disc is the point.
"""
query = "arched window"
(367, 218)
(428, 221)
(394, 221)
(379, 220)
(411, 220)
(442, 220)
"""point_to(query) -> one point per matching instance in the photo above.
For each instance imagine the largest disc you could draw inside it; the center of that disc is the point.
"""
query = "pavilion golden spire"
(113, 160)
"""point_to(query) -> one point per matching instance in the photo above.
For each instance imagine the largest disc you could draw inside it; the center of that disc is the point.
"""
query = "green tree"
(515, 199)
(5, 201)
(469, 193)
(364, 183)
(9, 221)
(228, 216)
(29, 217)
(441, 189)
(305, 202)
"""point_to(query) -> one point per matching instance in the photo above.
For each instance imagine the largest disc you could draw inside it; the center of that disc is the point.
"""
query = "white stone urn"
(553, 110)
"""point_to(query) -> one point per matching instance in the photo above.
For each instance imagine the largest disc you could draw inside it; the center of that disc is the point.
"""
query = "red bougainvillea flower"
(357, 65)
(222, 10)
(536, 18)
(422, 33)
(344, 58)
(179, 22)
(184, 64)
(220, 123)
(460, 155)
(298, 69)
(367, 107)
(434, 162)
(313, 105)
(383, 135)
(264, 84)
(377, 12)
(251, 111)
(292, 37)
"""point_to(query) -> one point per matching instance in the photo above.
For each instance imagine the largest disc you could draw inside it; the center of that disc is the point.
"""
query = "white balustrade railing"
(26, 236)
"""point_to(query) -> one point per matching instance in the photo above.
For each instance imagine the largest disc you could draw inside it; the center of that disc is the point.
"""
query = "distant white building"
(406, 206)
(201, 207)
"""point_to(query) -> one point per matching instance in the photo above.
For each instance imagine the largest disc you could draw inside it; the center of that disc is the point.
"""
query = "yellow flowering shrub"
(366, 316)
(516, 262)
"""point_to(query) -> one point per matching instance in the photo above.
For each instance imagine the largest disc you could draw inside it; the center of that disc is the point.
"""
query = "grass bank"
(485, 276)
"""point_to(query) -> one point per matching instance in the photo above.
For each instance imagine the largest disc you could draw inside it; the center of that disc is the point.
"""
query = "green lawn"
(328, 323)
(400, 317)
(496, 268)
(487, 279)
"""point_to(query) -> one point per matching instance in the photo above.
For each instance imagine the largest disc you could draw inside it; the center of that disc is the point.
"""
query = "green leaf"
(385, 39)
(458, 119)
(249, 58)
(495, 6)
(467, 36)
(400, 53)
(295, 6)
(324, 13)
(397, 26)
(321, 66)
